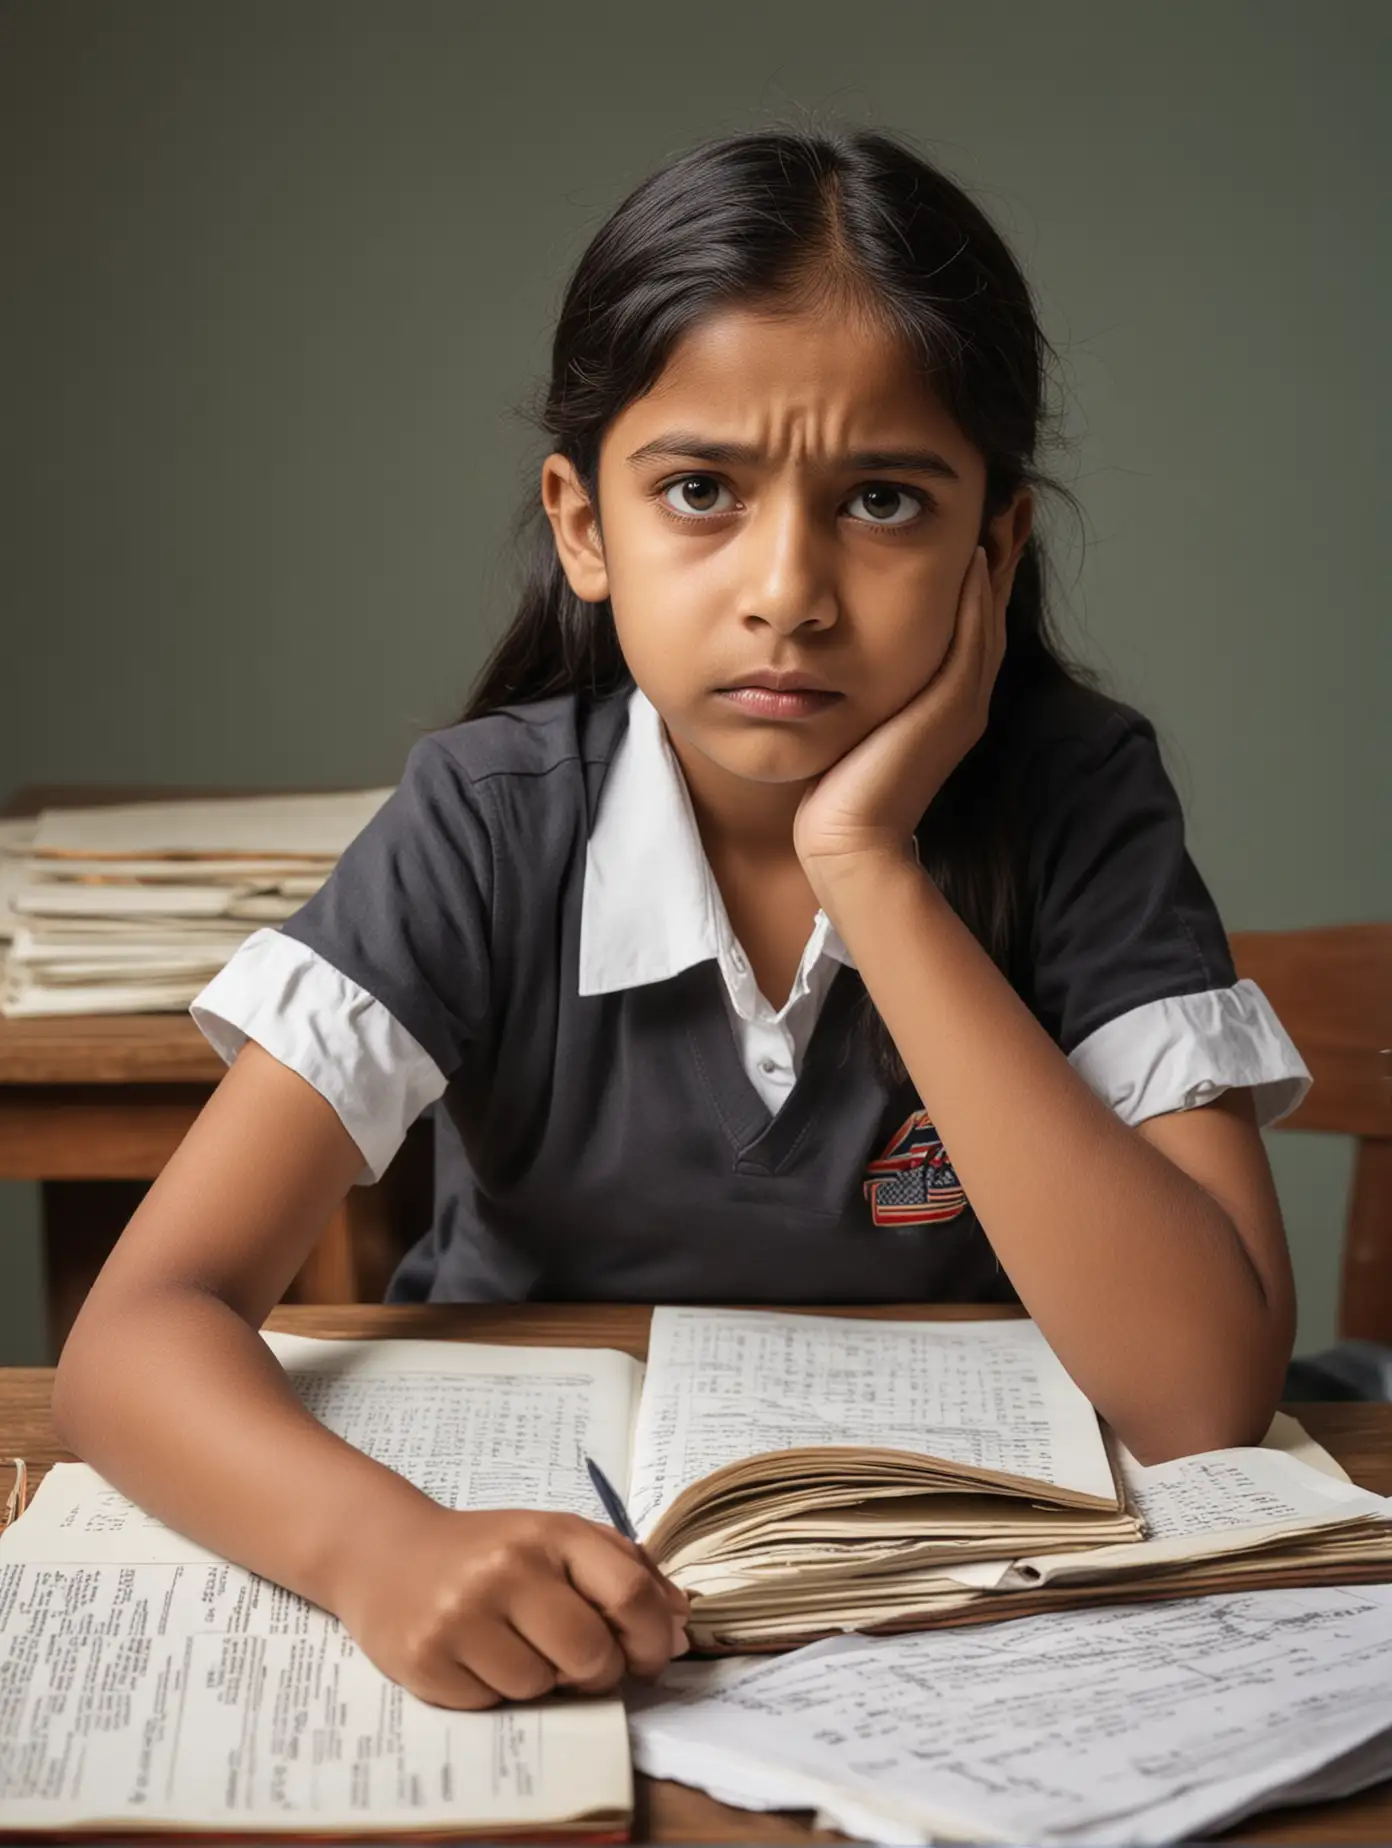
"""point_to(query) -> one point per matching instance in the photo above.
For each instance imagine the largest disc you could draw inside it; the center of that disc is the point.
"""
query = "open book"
(151, 1689)
(804, 1475)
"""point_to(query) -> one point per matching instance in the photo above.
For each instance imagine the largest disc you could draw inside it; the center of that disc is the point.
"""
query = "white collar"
(651, 906)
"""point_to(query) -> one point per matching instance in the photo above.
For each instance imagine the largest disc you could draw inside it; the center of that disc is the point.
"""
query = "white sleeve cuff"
(339, 1038)
(1185, 1050)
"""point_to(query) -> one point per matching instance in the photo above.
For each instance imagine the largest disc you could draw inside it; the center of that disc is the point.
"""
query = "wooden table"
(93, 1106)
(1360, 1436)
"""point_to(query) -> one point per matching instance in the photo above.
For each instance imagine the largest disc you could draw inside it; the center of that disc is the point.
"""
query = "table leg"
(330, 1273)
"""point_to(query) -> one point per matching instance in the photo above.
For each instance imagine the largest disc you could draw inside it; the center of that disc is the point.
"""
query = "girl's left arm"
(1152, 1257)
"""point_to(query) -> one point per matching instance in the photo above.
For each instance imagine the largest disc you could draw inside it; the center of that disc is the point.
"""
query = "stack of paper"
(133, 909)
(15, 837)
(1139, 1724)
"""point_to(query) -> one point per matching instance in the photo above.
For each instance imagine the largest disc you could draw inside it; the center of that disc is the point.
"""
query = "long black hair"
(796, 219)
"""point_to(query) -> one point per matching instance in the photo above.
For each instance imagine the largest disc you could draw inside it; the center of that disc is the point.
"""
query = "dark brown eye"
(697, 492)
(884, 501)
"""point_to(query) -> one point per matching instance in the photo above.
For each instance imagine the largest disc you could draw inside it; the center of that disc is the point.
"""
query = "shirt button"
(737, 962)
(768, 1066)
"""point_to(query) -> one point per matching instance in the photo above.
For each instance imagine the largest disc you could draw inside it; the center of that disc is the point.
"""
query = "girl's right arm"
(167, 1389)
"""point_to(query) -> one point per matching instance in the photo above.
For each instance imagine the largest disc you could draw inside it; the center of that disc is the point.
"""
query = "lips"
(774, 682)
(770, 695)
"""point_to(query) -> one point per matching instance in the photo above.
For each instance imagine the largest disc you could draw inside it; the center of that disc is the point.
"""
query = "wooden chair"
(1332, 988)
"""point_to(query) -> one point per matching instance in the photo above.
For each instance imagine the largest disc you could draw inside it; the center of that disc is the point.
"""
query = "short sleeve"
(1131, 970)
(377, 988)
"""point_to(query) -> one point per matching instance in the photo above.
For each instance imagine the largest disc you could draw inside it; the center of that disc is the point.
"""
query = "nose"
(788, 582)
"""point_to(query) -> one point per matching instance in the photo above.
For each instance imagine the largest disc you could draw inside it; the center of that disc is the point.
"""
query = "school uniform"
(528, 938)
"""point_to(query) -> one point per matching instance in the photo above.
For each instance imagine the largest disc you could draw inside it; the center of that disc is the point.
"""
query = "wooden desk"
(1360, 1436)
(93, 1106)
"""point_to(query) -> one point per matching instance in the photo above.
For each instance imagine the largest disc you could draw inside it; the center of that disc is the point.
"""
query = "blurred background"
(275, 281)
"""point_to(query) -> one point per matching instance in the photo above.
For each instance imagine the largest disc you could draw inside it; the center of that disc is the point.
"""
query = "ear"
(575, 526)
(1004, 540)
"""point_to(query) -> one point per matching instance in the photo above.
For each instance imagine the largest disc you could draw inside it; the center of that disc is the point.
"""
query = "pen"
(612, 1500)
(619, 1517)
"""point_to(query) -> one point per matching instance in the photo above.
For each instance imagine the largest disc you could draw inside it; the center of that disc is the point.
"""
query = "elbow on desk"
(1235, 1420)
(1204, 1394)
(1192, 1439)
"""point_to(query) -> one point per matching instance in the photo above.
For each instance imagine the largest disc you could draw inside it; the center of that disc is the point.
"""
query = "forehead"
(820, 376)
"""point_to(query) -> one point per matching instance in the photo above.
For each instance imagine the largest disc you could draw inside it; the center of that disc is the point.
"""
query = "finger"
(444, 1683)
(967, 621)
(974, 615)
(994, 611)
(501, 1658)
(679, 1600)
(978, 641)
(567, 1629)
(676, 1597)
(629, 1598)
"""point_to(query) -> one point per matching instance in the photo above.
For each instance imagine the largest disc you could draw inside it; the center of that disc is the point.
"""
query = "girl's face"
(788, 500)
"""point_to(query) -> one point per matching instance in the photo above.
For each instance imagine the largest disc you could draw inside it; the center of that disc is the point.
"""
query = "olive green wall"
(276, 276)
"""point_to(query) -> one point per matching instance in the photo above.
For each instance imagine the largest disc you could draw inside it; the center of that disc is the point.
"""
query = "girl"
(784, 921)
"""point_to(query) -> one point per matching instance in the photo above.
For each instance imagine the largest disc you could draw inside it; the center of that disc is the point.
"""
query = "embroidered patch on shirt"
(912, 1182)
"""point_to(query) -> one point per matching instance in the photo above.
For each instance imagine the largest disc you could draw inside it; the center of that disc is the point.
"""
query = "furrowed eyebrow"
(687, 445)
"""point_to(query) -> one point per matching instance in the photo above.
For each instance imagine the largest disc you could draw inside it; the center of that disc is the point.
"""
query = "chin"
(785, 759)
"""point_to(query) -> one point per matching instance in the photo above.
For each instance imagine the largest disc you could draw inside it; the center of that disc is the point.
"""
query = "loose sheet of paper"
(1244, 1487)
(1219, 1501)
(318, 825)
(147, 1679)
(54, 899)
(723, 1385)
(206, 869)
(1131, 1724)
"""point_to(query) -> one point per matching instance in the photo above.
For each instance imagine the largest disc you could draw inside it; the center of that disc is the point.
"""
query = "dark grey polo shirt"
(612, 1146)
